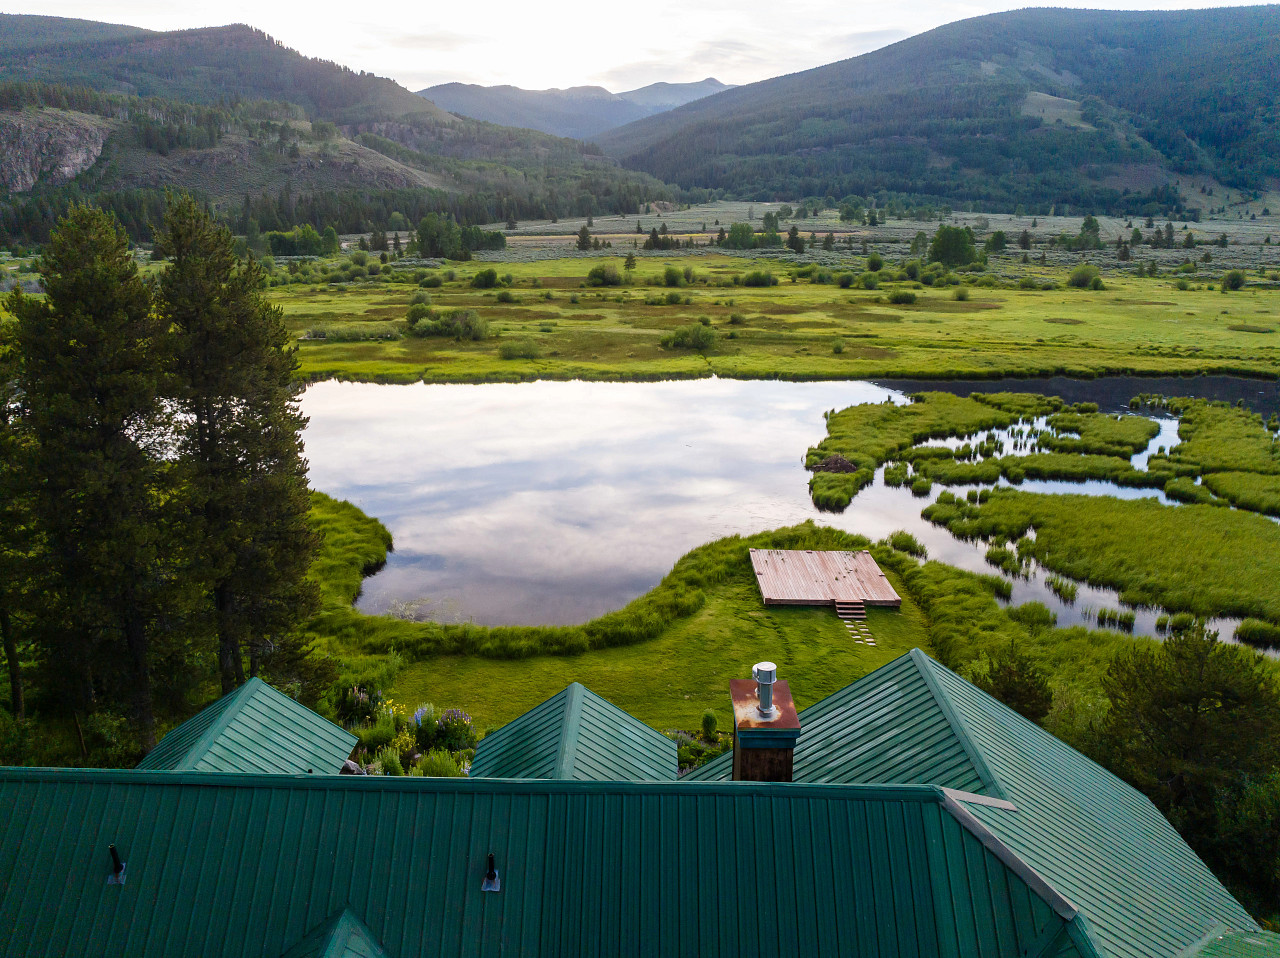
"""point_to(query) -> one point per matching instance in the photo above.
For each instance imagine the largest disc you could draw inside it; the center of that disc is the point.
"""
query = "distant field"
(794, 330)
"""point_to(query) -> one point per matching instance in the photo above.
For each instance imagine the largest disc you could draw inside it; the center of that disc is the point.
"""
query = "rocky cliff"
(48, 147)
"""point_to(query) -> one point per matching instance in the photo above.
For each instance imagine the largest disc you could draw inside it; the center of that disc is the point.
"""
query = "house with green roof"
(921, 817)
(255, 728)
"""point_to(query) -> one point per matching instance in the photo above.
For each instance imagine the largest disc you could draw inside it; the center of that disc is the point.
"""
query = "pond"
(554, 502)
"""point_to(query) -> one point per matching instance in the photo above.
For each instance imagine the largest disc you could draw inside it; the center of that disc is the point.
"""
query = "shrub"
(460, 324)
(389, 760)
(869, 280)
(437, 763)
(845, 280)
(759, 277)
(417, 311)
(1013, 678)
(520, 349)
(697, 337)
(455, 730)
(506, 296)
(1096, 283)
(902, 297)
(709, 724)
(485, 279)
(1082, 276)
(359, 703)
(737, 319)
(420, 298)
(837, 347)
(875, 262)
(424, 727)
(1233, 279)
(673, 299)
(671, 276)
(1183, 285)
(960, 294)
(604, 276)
(431, 282)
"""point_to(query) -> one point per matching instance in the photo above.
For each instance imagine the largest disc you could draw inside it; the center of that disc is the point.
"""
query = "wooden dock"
(818, 577)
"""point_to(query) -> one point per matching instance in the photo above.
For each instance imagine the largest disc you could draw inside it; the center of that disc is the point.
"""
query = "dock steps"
(854, 616)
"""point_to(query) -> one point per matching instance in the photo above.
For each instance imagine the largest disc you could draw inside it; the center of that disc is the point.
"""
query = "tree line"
(155, 533)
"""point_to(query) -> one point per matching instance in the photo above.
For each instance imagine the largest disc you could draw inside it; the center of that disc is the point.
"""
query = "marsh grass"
(1196, 559)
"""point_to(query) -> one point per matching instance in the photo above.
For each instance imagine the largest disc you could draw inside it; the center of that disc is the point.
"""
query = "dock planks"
(819, 577)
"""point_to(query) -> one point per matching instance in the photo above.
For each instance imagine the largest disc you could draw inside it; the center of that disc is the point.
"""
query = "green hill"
(210, 65)
(1090, 108)
(22, 32)
(89, 111)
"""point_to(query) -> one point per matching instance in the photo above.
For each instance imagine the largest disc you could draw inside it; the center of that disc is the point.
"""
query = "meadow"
(545, 320)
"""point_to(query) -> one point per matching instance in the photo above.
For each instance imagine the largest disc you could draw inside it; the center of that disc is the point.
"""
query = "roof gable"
(253, 729)
(576, 735)
(587, 868)
(342, 936)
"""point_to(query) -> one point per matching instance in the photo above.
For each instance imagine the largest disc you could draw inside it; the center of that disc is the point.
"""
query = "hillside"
(207, 65)
(580, 112)
(1032, 107)
(87, 111)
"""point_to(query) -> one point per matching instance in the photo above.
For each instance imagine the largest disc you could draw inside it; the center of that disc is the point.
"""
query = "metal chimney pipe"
(765, 674)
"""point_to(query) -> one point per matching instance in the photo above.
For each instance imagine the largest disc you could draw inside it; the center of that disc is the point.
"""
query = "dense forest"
(1034, 107)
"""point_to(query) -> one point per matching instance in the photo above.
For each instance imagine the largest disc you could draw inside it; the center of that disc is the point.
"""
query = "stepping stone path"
(854, 616)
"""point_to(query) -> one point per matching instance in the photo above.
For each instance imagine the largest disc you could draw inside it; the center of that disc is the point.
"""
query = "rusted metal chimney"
(765, 726)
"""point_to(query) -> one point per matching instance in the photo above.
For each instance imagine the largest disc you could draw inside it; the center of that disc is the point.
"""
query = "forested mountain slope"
(247, 123)
(1038, 105)
(25, 32)
(581, 112)
(211, 65)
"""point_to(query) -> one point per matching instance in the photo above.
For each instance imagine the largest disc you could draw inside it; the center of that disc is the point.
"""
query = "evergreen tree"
(15, 537)
(94, 374)
(795, 242)
(241, 436)
(584, 239)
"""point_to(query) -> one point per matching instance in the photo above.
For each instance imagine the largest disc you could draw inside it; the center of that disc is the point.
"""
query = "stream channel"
(554, 502)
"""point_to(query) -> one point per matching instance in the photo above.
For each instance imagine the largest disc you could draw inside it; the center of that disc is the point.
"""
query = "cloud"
(440, 40)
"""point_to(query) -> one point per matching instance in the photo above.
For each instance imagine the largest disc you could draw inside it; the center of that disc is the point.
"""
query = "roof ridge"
(1073, 919)
(567, 751)
(201, 746)
(925, 665)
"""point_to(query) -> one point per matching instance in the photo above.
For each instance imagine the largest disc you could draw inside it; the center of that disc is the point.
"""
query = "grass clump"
(905, 542)
(1258, 632)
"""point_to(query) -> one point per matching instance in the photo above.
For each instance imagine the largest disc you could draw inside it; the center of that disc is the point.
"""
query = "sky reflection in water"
(555, 502)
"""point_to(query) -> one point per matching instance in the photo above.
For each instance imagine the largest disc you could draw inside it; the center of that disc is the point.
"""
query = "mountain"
(208, 65)
(581, 112)
(1036, 107)
(27, 32)
(118, 115)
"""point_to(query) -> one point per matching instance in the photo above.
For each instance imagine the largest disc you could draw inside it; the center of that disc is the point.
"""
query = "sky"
(537, 44)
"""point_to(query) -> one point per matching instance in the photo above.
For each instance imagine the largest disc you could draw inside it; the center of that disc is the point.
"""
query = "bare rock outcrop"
(48, 147)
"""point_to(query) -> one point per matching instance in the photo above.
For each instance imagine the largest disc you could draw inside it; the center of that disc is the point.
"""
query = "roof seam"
(957, 724)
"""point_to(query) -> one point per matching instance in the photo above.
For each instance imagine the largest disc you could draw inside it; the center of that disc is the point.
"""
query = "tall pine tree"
(241, 439)
(93, 375)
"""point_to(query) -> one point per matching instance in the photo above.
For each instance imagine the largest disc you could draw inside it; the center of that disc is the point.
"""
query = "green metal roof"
(576, 735)
(886, 728)
(228, 864)
(1224, 943)
(253, 729)
(342, 936)
(1094, 838)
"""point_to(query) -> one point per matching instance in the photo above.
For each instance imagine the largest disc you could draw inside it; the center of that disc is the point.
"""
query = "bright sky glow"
(560, 43)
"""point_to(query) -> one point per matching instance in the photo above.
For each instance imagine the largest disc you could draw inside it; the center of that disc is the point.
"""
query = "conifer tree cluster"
(155, 535)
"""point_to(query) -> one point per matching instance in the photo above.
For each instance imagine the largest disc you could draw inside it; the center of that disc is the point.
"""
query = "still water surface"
(554, 502)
